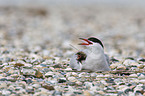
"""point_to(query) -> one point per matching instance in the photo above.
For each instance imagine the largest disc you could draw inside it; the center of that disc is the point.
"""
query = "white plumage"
(95, 59)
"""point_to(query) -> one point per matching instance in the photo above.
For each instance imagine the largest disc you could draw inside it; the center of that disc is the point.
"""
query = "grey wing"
(107, 59)
(74, 64)
(73, 61)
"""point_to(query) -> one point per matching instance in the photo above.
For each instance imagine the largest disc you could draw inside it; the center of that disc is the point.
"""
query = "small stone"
(133, 76)
(126, 90)
(141, 66)
(43, 65)
(110, 80)
(72, 79)
(120, 93)
(48, 87)
(30, 91)
(38, 74)
(3, 79)
(141, 76)
(57, 66)
(18, 65)
(36, 85)
(39, 67)
(12, 95)
(49, 74)
(71, 83)
(136, 80)
(142, 59)
(78, 91)
(122, 87)
(87, 93)
(101, 92)
(57, 93)
(113, 66)
(127, 62)
(88, 84)
(79, 83)
(134, 64)
(9, 78)
(3, 85)
(14, 75)
(68, 69)
(104, 82)
(74, 74)
(7, 68)
(18, 88)
(46, 69)
(6, 92)
(114, 60)
(67, 75)
(53, 81)
(61, 80)
(28, 71)
(42, 90)
(142, 81)
(138, 88)
(121, 68)
(131, 58)
(29, 87)
(131, 93)
(28, 66)
(28, 81)
(138, 93)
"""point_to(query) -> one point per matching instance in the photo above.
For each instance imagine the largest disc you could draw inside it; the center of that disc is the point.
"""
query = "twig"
(74, 47)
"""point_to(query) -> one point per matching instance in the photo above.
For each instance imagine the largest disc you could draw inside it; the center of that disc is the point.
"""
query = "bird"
(92, 58)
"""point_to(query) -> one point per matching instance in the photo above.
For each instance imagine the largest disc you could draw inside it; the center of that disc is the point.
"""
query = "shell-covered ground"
(36, 46)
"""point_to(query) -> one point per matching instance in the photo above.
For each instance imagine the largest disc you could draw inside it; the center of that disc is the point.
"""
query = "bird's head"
(91, 42)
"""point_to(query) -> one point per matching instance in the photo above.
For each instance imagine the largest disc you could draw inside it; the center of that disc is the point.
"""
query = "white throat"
(95, 48)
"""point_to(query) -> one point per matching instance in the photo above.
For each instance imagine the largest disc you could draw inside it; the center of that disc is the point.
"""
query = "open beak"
(87, 42)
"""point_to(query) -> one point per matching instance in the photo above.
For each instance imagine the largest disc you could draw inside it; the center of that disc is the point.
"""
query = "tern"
(92, 58)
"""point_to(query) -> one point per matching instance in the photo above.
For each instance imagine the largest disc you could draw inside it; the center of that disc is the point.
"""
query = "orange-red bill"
(87, 42)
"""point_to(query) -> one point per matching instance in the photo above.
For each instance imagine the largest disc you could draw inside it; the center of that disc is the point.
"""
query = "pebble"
(113, 66)
(68, 69)
(140, 66)
(141, 76)
(49, 74)
(36, 85)
(127, 62)
(72, 79)
(28, 65)
(61, 80)
(48, 87)
(57, 93)
(33, 61)
(133, 76)
(79, 83)
(87, 93)
(38, 74)
(121, 68)
(6, 92)
(3, 85)
(142, 81)
(28, 71)
(104, 82)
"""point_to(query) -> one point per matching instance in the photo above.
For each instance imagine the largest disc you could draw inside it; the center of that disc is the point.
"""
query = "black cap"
(95, 40)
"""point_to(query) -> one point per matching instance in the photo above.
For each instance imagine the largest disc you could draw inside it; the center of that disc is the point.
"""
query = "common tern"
(92, 58)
